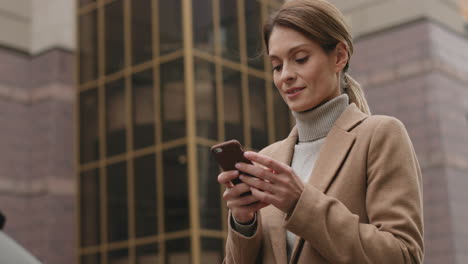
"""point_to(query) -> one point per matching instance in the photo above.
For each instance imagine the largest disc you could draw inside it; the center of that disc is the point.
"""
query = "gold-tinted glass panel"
(117, 204)
(119, 256)
(85, 2)
(146, 217)
(258, 116)
(202, 25)
(176, 205)
(205, 98)
(90, 259)
(253, 33)
(229, 29)
(281, 116)
(209, 192)
(170, 25)
(178, 251)
(212, 250)
(90, 208)
(141, 31)
(114, 36)
(88, 46)
(143, 109)
(89, 132)
(115, 117)
(147, 254)
(233, 121)
(173, 99)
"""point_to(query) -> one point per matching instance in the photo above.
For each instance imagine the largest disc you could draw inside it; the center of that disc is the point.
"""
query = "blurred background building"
(108, 109)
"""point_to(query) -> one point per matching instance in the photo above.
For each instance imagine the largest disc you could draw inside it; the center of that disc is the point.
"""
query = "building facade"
(108, 109)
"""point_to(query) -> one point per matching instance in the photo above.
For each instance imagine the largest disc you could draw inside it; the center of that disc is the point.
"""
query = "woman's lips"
(293, 92)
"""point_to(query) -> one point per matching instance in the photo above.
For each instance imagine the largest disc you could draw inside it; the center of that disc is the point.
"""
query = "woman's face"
(304, 74)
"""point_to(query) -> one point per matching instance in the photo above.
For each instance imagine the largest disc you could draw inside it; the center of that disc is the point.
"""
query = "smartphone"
(228, 154)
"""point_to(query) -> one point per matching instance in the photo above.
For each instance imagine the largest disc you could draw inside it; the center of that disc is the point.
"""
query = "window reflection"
(229, 29)
(253, 33)
(147, 254)
(173, 99)
(170, 25)
(143, 110)
(146, 220)
(90, 208)
(119, 256)
(117, 208)
(141, 31)
(89, 134)
(205, 97)
(115, 117)
(209, 191)
(281, 116)
(114, 36)
(88, 47)
(258, 116)
(178, 251)
(212, 250)
(203, 25)
(232, 103)
(176, 205)
(90, 259)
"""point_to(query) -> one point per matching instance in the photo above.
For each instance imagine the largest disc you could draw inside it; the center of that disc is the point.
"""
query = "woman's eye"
(302, 60)
(277, 68)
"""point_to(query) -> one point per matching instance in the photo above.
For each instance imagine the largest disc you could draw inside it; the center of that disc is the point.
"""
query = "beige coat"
(363, 203)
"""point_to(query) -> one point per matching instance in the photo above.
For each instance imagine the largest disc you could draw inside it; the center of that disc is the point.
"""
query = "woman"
(345, 186)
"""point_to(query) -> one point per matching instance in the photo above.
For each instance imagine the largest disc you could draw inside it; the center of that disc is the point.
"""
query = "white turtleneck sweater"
(312, 126)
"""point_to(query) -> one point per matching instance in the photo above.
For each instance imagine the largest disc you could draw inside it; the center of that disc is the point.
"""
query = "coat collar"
(333, 152)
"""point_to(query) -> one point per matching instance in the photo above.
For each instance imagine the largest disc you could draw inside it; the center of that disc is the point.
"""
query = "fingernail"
(241, 177)
(238, 165)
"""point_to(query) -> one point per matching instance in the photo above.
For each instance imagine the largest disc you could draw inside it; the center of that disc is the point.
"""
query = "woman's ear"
(342, 57)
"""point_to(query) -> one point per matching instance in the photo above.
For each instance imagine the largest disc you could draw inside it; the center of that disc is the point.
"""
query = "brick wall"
(417, 72)
(37, 191)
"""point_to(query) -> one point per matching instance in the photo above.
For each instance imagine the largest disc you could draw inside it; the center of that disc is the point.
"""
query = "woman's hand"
(276, 184)
(243, 208)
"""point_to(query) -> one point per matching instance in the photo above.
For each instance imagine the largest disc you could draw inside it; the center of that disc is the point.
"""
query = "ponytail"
(355, 93)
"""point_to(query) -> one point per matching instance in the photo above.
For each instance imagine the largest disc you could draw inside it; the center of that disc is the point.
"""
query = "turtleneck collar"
(316, 123)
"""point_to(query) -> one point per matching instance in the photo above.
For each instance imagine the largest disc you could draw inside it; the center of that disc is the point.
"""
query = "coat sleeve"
(241, 249)
(393, 203)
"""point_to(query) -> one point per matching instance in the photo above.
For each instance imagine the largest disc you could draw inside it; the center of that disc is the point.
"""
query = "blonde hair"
(322, 22)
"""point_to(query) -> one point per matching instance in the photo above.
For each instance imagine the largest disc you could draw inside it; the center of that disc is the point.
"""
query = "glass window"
(229, 29)
(85, 2)
(212, 250)
(170, 26)
(143, 109)
(258, 116)
(141, 31)
(89, 126)
(90, 208)
(117, 208)
(209, 191)
(147, 254)
(173, 99)
(233, 110)
(281, 117)
(114, 36)
(115, 117)
(88, 47)
(205, 97)
(178, 251)
(90, 259)
(119, 256)
(253, 22)
(146, 217)
(203, 25)
(176, 205)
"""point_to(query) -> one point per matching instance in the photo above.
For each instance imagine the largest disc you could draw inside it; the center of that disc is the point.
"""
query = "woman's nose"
(287, 74)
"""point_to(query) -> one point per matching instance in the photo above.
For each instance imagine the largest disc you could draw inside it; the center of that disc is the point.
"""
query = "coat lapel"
(276, 228)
